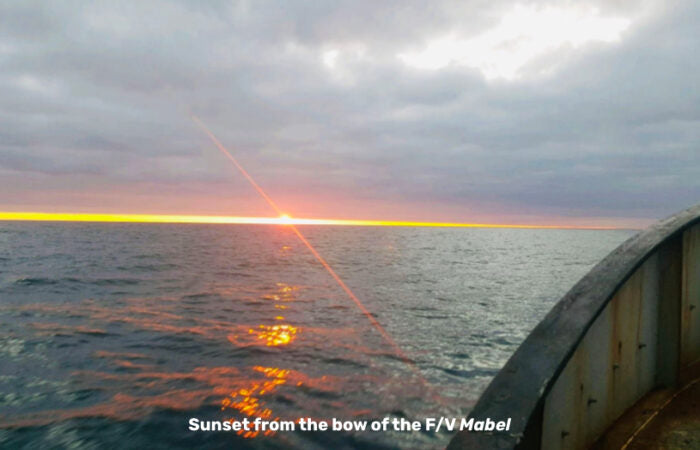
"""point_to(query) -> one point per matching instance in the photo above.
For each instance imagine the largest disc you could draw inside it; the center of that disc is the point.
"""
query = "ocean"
(116, 335)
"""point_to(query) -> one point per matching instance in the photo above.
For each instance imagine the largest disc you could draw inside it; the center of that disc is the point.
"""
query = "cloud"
(524, 34)
(316, 100)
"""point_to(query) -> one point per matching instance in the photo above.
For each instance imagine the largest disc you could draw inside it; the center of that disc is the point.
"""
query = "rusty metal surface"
(663, 419)
(520, 388)
(677, 426)
(690, 307)
(611, 369)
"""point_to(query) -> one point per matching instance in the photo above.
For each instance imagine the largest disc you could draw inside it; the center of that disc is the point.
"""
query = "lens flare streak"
(286, 220)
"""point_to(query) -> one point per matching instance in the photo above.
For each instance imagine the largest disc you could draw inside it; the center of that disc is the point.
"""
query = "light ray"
(226, 153)
(287, 220)
(353, 297)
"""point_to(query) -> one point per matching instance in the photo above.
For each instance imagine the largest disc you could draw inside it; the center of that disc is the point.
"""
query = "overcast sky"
(458, 111)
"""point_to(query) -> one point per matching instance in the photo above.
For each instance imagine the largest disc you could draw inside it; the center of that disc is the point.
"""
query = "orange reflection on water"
(276, 335)
(247, 400)
(268, 335)
(284, 293)
(139, 384)
(55, 329)
(151, 313)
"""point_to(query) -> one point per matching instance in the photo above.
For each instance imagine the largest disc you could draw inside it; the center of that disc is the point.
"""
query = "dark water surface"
(114, 335)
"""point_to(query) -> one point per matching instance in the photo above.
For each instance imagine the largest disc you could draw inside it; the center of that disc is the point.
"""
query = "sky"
(482, 111)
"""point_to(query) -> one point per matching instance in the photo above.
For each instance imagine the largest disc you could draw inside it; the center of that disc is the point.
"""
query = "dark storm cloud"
(107, 89)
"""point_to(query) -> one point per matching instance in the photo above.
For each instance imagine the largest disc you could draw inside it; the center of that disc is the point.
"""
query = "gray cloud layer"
(95, 97)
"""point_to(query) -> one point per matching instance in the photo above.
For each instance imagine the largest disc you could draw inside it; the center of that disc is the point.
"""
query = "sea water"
(116, 335)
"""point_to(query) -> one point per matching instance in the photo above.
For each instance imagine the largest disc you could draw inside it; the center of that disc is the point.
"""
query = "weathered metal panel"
(690, 309)
(647, 340)
(623, 339)
(577, 403)
(610, 370)
(596, 406)
(668, 337)
(560, 425)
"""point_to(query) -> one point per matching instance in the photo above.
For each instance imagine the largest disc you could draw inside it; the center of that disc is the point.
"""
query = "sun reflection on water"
(137, 384)
(276, 335)
(248, 400)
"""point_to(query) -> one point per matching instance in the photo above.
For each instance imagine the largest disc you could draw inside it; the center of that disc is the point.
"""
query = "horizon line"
(282, 220)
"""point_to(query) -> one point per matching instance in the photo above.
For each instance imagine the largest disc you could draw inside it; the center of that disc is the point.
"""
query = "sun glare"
(522, 40)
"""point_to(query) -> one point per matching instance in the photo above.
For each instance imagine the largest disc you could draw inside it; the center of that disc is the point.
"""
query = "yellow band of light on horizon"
(165, 218)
